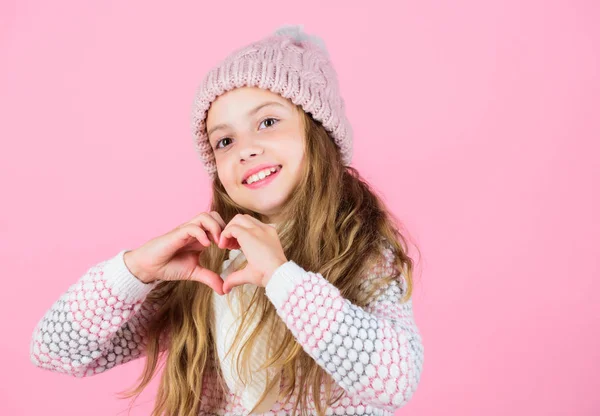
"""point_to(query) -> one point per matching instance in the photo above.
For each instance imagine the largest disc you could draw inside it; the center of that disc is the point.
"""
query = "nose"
(249, 149)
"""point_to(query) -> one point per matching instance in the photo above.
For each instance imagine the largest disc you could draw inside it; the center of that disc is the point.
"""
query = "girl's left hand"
(261, 246)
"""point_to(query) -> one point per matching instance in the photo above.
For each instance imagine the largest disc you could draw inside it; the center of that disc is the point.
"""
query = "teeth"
(261, 175)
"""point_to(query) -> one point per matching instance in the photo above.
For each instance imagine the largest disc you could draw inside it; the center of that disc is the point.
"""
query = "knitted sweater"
(375, 354)
(227, 311)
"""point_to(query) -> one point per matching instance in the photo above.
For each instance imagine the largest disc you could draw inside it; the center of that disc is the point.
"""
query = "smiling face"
(250, 128)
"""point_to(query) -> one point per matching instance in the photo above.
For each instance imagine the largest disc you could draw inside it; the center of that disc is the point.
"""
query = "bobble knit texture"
(289, 63)
(375, 354)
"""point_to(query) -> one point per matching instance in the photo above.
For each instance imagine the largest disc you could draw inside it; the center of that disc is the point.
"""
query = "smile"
(265, 181)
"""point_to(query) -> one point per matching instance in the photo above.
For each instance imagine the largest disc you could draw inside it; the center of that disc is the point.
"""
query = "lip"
(264, 182)
(257, 169)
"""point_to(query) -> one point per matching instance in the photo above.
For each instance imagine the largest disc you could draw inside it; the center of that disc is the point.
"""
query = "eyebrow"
(250, 113)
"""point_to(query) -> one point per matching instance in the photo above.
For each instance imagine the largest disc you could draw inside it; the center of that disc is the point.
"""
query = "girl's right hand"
(174, 255)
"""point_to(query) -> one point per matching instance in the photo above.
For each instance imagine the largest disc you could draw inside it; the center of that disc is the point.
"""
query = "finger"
(232, 232)
(237, 278)
(209, 223)
(261, 225)
(229, 243)
(212, 224)
(209, 278)
(194, 231)
(251, 221)
(218, 228)
(183, 236)
(219, 219)
(194, 246)
(241, 220)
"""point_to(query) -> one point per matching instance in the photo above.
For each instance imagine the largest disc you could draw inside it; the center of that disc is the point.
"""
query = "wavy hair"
(335, 225)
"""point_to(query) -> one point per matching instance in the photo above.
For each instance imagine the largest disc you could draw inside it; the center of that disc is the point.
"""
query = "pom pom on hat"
(296, 32)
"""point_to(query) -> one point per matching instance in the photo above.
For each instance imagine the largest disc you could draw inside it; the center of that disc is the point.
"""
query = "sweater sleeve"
(375, 353)
(98, 323)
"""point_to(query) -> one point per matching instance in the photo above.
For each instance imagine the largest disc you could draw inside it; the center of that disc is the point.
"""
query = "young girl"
(291, 295)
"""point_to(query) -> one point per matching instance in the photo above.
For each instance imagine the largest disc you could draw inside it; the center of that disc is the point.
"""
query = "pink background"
(479, 124)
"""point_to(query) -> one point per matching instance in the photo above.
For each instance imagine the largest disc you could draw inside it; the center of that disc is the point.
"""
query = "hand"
(261, 246)
(174, 255)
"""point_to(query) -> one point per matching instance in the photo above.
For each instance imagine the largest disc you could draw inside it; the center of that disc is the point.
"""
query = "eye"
(274, 121)
(270, 118)
(224, 138)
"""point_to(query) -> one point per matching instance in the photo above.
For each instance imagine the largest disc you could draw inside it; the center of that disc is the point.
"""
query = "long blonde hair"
(335, 225)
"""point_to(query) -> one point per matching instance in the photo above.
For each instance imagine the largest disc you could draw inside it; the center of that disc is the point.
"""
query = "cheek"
(293, 148)
(299, 154)
(225, 175)
(296, 161)
(227, 179)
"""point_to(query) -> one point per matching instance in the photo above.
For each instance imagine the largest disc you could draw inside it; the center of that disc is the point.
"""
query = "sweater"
(227, 311)
(374, 353)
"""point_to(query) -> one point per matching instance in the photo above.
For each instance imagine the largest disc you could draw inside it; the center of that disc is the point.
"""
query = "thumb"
(209, 278)
(237, 278)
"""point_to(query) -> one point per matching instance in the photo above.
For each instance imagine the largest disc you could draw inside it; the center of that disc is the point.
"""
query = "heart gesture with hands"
(261, 246)
(174, 255)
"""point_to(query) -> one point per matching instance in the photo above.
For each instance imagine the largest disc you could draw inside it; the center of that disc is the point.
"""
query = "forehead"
(239, 101)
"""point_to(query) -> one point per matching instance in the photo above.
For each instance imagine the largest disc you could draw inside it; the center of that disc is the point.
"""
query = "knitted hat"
(289, 63)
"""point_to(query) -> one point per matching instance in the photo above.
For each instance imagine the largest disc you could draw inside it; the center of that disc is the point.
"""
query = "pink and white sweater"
(375, 354)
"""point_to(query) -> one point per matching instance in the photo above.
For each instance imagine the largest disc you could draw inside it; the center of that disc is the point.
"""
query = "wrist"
(134, 268)
(270, 273)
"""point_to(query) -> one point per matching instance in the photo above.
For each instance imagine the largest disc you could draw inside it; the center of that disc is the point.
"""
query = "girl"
(291, 295)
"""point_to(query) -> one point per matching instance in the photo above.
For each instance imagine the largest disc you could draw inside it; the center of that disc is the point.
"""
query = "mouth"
(264, 181)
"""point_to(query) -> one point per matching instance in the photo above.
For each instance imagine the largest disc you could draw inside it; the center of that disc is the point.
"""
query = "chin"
(267, 208)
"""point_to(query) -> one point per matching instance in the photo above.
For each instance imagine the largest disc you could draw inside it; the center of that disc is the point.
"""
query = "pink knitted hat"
(289, 63)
